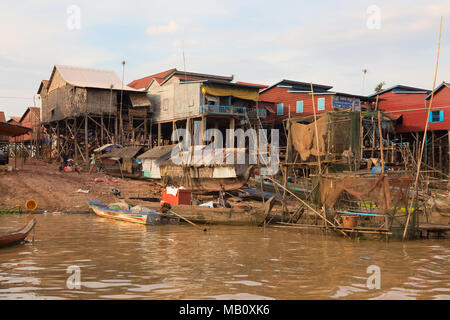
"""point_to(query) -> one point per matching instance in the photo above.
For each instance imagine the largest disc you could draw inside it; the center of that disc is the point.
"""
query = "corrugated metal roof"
(139, 99)
(198, 156)
(7, 129)
(157, 152)
(144, 82)
(125, 152)
(91, 78)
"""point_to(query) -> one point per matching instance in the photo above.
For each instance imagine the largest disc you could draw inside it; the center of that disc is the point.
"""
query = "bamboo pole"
(315, 128)
(306, 204)
(424, 134)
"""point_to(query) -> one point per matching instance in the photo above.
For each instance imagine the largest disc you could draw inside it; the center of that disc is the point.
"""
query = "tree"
(379, 86)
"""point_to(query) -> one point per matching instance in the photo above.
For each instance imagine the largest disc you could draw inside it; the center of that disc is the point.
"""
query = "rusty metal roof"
(90, 78)
(124, 153)
(157, 152)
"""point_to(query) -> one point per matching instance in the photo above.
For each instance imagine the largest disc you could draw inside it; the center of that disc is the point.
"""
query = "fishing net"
(337, 132)
(386, 192)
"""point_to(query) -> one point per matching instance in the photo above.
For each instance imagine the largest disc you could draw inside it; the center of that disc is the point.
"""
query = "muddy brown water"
(128, 261)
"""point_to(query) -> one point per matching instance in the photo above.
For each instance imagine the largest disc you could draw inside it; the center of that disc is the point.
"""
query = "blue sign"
(340, 102)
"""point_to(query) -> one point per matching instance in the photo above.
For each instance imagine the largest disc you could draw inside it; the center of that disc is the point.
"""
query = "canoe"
(17, 236)
(151, 217)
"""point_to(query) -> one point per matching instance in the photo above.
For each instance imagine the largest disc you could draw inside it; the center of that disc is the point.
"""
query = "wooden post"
(86, 139)
(150, 137)
(203, 130)
(58, 142)
(448, 134)
(361, 132)
(15, 152)
(102, 125)
(381, 141)
(188, 129)
(232, 127)
(159, 134)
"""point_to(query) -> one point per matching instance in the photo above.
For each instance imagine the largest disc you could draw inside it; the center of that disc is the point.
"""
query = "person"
(63, 163)
(92, 166)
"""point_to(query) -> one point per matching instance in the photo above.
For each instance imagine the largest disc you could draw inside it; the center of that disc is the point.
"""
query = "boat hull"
(147, 218)
(226, 216)
(17, 236)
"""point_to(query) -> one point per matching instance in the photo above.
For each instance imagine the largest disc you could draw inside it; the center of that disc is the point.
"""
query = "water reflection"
(119, 260)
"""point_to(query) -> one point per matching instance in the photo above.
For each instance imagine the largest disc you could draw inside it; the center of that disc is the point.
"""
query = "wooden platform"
(433, 228)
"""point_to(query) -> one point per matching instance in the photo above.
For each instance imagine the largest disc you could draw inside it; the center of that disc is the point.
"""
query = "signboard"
(340, 102)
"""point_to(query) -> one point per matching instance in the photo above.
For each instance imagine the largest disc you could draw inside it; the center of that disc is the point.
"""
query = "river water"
(119, 260)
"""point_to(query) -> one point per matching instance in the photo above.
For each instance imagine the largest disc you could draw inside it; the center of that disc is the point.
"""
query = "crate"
(183, 197)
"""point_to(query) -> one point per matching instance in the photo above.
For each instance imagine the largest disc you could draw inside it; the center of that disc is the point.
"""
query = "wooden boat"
(441, 205)
(151, 217)
(227, 216)
(17, 236)
(300, 190)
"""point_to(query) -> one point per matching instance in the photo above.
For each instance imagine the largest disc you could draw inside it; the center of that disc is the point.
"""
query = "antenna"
(364, 79)
(121, 101)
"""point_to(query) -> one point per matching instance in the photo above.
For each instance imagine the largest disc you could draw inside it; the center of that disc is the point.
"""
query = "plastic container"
(183, 197)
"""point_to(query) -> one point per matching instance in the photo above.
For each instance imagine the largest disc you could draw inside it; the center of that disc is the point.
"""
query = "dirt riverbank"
(57, 191)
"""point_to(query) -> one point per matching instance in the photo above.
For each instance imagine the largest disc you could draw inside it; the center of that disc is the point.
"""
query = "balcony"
(233, 110)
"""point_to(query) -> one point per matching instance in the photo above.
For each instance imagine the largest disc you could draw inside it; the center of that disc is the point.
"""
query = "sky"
(326, 42)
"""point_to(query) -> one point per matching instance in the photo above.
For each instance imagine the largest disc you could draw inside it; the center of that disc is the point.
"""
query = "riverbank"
(64, 191)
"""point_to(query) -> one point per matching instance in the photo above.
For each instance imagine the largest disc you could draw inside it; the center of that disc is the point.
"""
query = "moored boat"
(228, 216)
(147, 217)
(16, 236)
(441, 205)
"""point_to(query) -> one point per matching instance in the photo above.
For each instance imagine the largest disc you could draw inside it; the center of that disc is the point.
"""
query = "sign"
(340, 102)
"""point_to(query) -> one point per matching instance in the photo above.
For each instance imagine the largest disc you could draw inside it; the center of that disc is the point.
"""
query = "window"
(280, 109)
(299, 106)
(165, 104)
(321, 104)
(436, 116)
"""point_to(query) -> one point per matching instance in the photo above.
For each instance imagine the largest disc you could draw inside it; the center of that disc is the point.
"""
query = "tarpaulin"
(246, 94)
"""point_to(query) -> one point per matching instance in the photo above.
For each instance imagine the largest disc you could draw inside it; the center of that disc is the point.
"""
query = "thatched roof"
(124, 153)
(157, 152)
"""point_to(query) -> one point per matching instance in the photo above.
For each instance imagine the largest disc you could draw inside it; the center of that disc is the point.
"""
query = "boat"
(299, 189)
(441, 205)
(236, 216)
(17, 236)
(146, 216)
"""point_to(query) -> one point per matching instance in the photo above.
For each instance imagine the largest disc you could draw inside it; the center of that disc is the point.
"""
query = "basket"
(350, 220)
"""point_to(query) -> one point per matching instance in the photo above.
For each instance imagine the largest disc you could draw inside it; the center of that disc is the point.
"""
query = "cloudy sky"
(327, 42)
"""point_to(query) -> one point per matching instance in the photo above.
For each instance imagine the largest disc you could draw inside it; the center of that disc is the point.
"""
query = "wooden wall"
(174, 100)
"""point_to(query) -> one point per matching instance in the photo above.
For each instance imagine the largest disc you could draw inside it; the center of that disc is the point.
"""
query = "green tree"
(379, 86)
